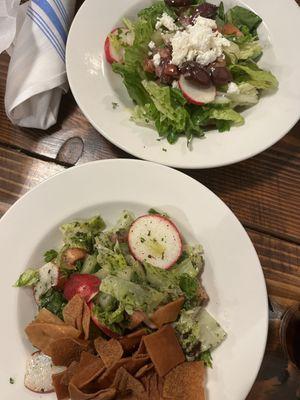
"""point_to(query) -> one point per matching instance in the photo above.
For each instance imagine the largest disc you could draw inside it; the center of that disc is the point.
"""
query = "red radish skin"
(86, 285)
(170, 226)
(108, 332)
(195, 94)
(111, 54)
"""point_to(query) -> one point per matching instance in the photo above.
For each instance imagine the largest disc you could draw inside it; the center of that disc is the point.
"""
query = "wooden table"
(263, 192)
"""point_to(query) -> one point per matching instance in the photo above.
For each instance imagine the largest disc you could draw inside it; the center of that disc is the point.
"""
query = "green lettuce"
(198, 332)
(227, 114)
(241, 16)
(247, 96)
(133, 296)
(54, 301)
(28, 278)
(252, 50)
(249, 72)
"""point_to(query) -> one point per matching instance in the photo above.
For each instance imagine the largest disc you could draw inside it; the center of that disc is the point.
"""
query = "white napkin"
(37, 74)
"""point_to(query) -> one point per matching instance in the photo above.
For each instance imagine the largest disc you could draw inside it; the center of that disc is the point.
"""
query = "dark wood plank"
(264, 192)
(19, 173)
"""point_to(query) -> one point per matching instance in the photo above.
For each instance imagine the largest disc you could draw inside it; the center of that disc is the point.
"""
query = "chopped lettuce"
(110, 260)
(252, 50)
(89, 265)
(156, 10)
(81, 233)
(249, 72)
(133, 296)
(241, 16)
(28, 278)
(247, 95)
(124, 222)
(54, 301)
(226, 114)
(50, 255)
(198, 332)
(232, 53)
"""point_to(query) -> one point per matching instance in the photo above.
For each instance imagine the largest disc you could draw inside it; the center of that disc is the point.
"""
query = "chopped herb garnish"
(164, 149)
(50, 255)
(11, 380)
(142, 240)
(149, 233)
(114, 105)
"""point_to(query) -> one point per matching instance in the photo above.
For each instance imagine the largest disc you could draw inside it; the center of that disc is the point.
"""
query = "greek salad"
(189, 66)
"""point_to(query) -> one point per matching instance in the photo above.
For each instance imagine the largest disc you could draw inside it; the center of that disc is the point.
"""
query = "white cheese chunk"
(156, 59)
(48, 278)
(233, 88)
(167, 22)
(201, 42)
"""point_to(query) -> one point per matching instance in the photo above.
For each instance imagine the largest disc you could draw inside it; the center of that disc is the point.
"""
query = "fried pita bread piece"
(141, 350)
(72, 312)
(88, 373)
(125, 382)
(136, 319)
(164, 349)
(167, 313)
(86, 320)
(77, 394)
(45, 315)
(186, 382)
(61, 390)
(42, 334)
(132, 365)
(65, 350)
(144, 370)
(131, 342)
(110, 351)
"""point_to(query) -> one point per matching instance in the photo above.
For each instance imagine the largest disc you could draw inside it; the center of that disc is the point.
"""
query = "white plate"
(233, 275)
(95, 87)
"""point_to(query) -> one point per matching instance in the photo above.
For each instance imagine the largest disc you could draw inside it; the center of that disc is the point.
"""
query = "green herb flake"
(11, 380)
(142, 240)
(114, 105)
(50, 255)
(165, 150)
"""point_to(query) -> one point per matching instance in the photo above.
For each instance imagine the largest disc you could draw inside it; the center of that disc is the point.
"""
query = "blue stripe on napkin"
(62, 11)
(51, 14)
(40, 22)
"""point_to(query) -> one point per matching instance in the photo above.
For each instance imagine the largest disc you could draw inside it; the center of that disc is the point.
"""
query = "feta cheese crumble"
(151, 45)
(167, 22)
(201, 42)
(175, 85)
(156, 59)
(233, 88)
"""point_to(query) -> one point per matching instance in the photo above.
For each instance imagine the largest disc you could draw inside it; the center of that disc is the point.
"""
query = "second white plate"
(96, 87)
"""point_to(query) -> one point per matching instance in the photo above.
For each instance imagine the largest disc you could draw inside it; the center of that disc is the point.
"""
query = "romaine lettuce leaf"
(28, 278)
(198, 332)
(249, 72)
(156, 10)
(133, 296)
(226, 114)
(252, 50)
(240, 16)
(247, 96)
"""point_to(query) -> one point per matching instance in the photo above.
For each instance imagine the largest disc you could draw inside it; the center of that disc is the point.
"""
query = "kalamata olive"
(149, 65)
(193, 71)
(206, 10)
(220, 75)
(178, 3)
(171, 70)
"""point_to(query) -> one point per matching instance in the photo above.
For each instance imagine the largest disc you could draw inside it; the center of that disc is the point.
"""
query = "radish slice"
(196, 94)
(156, 240)
(86, 285)
(39, 371)
(48, 278)
(125, 38)
(108, 332)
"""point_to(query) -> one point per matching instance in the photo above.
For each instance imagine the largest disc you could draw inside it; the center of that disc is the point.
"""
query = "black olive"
(220, 75)
(193, 71)
(171, 70)
(205, 10)
(178, 3)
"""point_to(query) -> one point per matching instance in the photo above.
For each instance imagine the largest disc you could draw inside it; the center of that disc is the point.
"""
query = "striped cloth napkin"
(37, 74)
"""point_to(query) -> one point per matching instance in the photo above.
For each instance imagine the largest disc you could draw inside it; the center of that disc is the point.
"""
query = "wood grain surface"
(263, 192)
